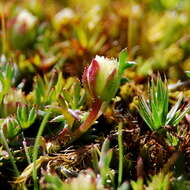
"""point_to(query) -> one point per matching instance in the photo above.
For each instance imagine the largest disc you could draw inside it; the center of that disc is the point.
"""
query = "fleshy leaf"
(93, 69)
(123, 56)
(123, 63)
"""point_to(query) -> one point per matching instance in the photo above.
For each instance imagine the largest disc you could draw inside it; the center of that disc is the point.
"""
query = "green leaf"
(32, 116)
(155, 112)
(174, 109)
(25, 117)
(76, 94)
(123, 63)
(137, 185)
(18, 114)
(145, 112)
(55, 181)
(181, 116)
(187, 73)
(10, 127)
(67, 95)
(123, 56)
(23, 113)
(120, 144)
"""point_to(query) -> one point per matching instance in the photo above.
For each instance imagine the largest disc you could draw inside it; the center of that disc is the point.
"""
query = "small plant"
(47, 89)
(155, 112)
(6, 78)
(159, 182)
(75, 96)
(156, 182)
(107, 174)
(137, 185)
(70, 102)
(8, 129)
(101, 80)
(25, 117)
(102, 165)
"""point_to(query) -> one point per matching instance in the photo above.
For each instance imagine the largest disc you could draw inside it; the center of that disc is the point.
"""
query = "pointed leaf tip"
(123, 61)
(123, 56)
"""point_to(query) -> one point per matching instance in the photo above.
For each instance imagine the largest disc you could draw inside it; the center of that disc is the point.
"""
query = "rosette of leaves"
(25, 116)
(6, 78)
(155, 112)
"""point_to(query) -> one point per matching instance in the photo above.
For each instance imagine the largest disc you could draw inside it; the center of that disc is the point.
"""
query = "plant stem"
(36, 148)
(66, 137)
(93, 115)
(4, 48)
(26, 150)
(120, 143)
(4, 141)
(130, 31)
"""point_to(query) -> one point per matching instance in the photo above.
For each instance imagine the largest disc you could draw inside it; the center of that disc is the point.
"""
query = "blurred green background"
(42, 34)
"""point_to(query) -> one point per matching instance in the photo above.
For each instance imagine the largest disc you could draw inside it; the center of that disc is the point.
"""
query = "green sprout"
(47, 91)
(101, 161)
(8, 129)
(107, 174)
(155, 112)
(75, 96)
(137, 185)
(102, 165)
(156, 182)
(6, 79)
(160, 181)
(25, 116)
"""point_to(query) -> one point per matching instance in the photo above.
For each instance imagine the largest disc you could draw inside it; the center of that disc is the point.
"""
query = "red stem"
(66, 137)
(93, 115)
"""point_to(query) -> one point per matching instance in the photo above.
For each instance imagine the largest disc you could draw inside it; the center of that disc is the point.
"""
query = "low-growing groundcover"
(95, 95)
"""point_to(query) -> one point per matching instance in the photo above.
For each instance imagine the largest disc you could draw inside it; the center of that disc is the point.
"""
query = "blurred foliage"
(155, 32)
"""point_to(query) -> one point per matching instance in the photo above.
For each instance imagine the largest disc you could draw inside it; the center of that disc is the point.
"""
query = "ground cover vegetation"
(95, 95)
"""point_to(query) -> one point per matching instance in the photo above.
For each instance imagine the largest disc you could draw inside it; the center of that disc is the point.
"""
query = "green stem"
(130, 31)
(120, 143)
(36, 148)
(13, 161)
(26, 149)
(3, 33)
